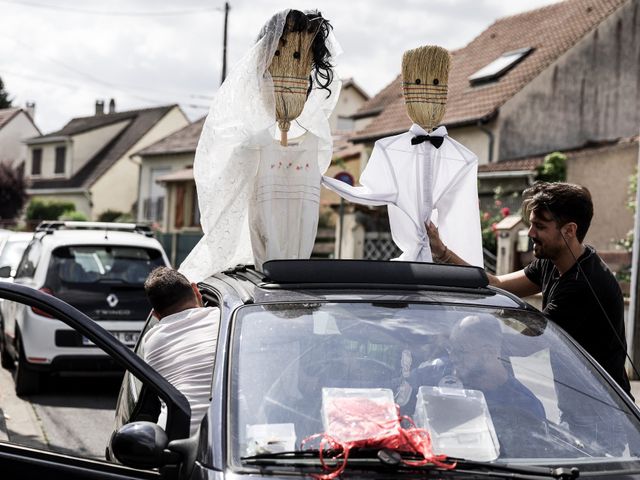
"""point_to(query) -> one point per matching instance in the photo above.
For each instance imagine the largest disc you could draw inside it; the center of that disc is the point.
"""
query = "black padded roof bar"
(371, 272)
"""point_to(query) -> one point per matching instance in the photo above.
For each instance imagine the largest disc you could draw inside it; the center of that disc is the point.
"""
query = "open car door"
(143, 449)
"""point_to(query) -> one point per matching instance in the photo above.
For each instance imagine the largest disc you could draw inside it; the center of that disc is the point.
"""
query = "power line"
(39, 78)
(164, 13)
(54, 81)
(100, 81)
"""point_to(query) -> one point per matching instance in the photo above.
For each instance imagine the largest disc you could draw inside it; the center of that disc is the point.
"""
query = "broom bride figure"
(264, 147)
(423, 174)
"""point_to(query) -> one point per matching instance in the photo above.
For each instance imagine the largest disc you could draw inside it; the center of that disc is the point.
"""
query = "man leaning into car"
(579, 292)
(182, 346)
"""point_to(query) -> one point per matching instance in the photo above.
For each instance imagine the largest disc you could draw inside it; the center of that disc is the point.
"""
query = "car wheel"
(6, 360)
(27, 380)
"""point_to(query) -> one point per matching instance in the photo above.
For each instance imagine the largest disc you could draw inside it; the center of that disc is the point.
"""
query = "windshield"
(486, 384)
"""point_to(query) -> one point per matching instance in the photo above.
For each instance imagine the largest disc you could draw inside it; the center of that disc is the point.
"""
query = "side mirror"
(5, 271)
(142, 445)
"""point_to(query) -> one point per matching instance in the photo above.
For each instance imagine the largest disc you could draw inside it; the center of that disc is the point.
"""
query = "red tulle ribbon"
(363, 423)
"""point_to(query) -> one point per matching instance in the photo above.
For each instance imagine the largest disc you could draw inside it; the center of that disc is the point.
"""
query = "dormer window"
(499, 66)
(61, 153)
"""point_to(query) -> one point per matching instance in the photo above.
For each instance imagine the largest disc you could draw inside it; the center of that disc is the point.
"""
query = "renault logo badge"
(112, 300)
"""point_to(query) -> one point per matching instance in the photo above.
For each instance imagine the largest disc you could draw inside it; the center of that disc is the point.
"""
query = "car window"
(72, 414)
(132, 403)
(129, 407)
(88, 264)
(537, 395)
(30, 259)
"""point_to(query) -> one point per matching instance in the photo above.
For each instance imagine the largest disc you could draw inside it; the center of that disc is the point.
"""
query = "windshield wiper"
(514, 471)
(495, 469)
(261, 458)
(385, 459)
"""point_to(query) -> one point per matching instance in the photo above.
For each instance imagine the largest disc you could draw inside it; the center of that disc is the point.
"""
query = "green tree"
(52, 210)
(553, 169)
(110, 216)
(626, 243)
(5, 101)
(13, 194)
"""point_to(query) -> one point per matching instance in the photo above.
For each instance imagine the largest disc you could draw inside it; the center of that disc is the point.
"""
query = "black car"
(501, 391)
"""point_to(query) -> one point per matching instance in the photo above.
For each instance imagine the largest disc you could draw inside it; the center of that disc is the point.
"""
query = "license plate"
(128, 338)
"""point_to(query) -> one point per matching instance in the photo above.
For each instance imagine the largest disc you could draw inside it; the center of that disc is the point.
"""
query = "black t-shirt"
(570, 303)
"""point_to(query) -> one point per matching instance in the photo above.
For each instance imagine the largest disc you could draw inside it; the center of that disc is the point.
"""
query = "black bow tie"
(435, 141)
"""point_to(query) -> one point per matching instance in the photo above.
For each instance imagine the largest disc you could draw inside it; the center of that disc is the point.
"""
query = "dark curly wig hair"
(311, 21)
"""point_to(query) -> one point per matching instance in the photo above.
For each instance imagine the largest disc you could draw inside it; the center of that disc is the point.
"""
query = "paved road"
(75, 415)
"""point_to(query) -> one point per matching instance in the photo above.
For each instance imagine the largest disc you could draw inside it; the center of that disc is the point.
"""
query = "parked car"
(100, 269)
(302, 333)
(12, 247)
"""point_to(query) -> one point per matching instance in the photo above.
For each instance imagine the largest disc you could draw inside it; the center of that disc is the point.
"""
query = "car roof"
(96, 237)
(358, 280)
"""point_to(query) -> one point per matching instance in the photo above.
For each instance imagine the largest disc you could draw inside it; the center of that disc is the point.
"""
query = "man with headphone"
(579, 292)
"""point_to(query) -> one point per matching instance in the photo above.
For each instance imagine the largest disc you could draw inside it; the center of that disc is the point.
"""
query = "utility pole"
(224, 42)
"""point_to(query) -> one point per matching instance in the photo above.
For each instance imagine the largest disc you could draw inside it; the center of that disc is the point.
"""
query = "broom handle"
(283, 138)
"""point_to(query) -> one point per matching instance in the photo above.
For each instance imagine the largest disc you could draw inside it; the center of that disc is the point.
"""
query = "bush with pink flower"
(489, 219)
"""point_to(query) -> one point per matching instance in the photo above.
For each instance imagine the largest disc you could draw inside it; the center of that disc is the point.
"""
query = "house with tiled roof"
(16, 126)
(90, 160)
(559, 78)
(350, 100)
(167, 192)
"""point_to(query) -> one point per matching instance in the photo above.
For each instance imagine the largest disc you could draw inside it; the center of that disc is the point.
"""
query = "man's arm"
(515, 282)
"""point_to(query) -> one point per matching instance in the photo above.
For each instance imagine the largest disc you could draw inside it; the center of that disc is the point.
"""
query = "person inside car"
(476, 354)
(182, 346)
(579, 291)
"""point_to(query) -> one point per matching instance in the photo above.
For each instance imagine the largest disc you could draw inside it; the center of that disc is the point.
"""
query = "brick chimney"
(99, 107)
(112, 106)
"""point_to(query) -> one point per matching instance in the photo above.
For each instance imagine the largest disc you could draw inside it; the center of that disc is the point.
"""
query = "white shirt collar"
(416, 129)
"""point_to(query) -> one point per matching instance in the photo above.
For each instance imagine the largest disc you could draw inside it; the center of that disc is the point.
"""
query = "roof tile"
(550, 30)
(184, 140)
(7, 114)
(531, 163)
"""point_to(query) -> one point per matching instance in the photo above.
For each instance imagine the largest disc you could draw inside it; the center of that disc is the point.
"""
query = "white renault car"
(100, 269)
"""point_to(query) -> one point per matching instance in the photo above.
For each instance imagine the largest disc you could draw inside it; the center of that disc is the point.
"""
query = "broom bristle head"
(291, 69)
(425, 79)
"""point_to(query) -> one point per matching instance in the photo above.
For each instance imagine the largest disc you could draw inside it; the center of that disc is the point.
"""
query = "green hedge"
(49, 210)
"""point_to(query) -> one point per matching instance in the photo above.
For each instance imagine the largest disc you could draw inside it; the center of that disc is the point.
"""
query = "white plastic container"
(458, 421)
(270, 438)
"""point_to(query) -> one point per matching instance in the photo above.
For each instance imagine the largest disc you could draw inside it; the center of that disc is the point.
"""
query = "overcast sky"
(65, 54)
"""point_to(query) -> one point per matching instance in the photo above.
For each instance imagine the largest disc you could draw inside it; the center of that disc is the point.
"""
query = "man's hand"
(516, 282)
(438, 248)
